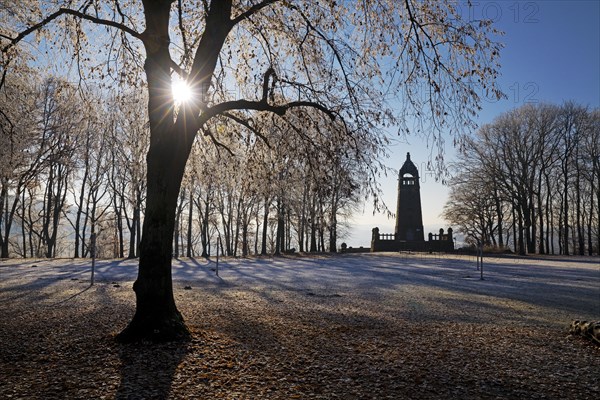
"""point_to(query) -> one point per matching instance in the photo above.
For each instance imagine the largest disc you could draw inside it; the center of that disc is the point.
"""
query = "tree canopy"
(371, 63)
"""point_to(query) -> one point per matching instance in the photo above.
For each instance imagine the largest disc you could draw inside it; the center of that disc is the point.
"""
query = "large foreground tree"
(418, 66)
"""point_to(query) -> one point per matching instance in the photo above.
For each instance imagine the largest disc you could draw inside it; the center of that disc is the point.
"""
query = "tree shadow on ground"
(148, 369)
(73, 296)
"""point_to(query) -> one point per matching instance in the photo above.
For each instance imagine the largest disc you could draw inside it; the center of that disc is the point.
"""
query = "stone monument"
(408, 234)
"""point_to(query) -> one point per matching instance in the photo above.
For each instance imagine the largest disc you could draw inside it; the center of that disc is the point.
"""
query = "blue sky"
(551, 54)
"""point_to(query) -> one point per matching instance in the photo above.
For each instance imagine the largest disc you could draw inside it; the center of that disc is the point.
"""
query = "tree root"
(162, 330)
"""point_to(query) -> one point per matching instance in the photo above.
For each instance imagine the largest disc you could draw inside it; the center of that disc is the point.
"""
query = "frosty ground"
(344, 326)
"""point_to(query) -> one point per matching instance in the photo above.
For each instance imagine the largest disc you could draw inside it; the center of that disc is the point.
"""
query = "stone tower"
(409, 219)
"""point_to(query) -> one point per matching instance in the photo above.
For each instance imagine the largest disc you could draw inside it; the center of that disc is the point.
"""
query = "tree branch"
(67, 11)
(180, 71)
(186, 48)
(261, 105)
(334, 49)
(246, 124)
(252, 10)
(101, 21)
(3, 78)
(265, 89)
(207, 132)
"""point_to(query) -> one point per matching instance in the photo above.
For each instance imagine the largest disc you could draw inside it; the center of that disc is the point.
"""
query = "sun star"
(182, 92)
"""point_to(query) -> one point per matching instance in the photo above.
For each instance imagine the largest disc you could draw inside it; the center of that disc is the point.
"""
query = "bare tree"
(538, 161)
(21, 151)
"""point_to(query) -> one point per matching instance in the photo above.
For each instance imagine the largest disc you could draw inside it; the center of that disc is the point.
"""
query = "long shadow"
(73, 296)
(189, 269)
(147, 370)
(571, 290)
(551, 258)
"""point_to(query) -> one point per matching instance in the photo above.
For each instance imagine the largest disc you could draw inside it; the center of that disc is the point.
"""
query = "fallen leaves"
(279, 344)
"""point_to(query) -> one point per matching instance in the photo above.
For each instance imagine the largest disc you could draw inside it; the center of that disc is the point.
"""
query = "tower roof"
(409, 168)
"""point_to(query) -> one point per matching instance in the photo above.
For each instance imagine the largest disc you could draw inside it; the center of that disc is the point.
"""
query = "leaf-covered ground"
(347, 327)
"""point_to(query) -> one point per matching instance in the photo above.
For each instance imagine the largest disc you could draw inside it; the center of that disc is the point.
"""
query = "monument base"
(437, 243)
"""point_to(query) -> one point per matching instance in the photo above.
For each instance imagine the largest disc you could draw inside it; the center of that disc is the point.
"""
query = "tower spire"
(409, 219)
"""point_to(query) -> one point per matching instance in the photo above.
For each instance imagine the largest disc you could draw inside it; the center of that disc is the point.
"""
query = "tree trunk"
(119, 227)
(24, 237)
(499, 216)
(190, 221)
(565, 216)
(205, 214)
(530, 232)
(265, 227)
(549, 221)
(333, 228)
(281, 228)
(157, 318)
(302, 228)
(514, 228)
(238, 222)
(591, 219)
(598, 220)
(522, 250)
(579, 215)
(3, 196)
(244, 239)
(257, 220)
(9, 215)
(84, 180)
(30, 218)
(313, 224)
(279, 235)
(176, 234)
(138, 228)
(132, 233)
(541, 217)
(560, 227)
(4, 238)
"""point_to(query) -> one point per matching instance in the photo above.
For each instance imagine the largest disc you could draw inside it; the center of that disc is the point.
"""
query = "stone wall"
(388, 242)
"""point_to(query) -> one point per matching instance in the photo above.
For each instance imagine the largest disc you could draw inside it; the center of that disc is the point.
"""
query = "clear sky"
(551, 54)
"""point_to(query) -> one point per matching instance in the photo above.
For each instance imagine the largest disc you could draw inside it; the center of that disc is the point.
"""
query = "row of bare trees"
(70, 169)
(295, 190)
(530, 180)
(74, 166)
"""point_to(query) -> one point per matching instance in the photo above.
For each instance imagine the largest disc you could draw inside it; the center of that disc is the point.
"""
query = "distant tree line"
(530, 181)
(73, 165)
